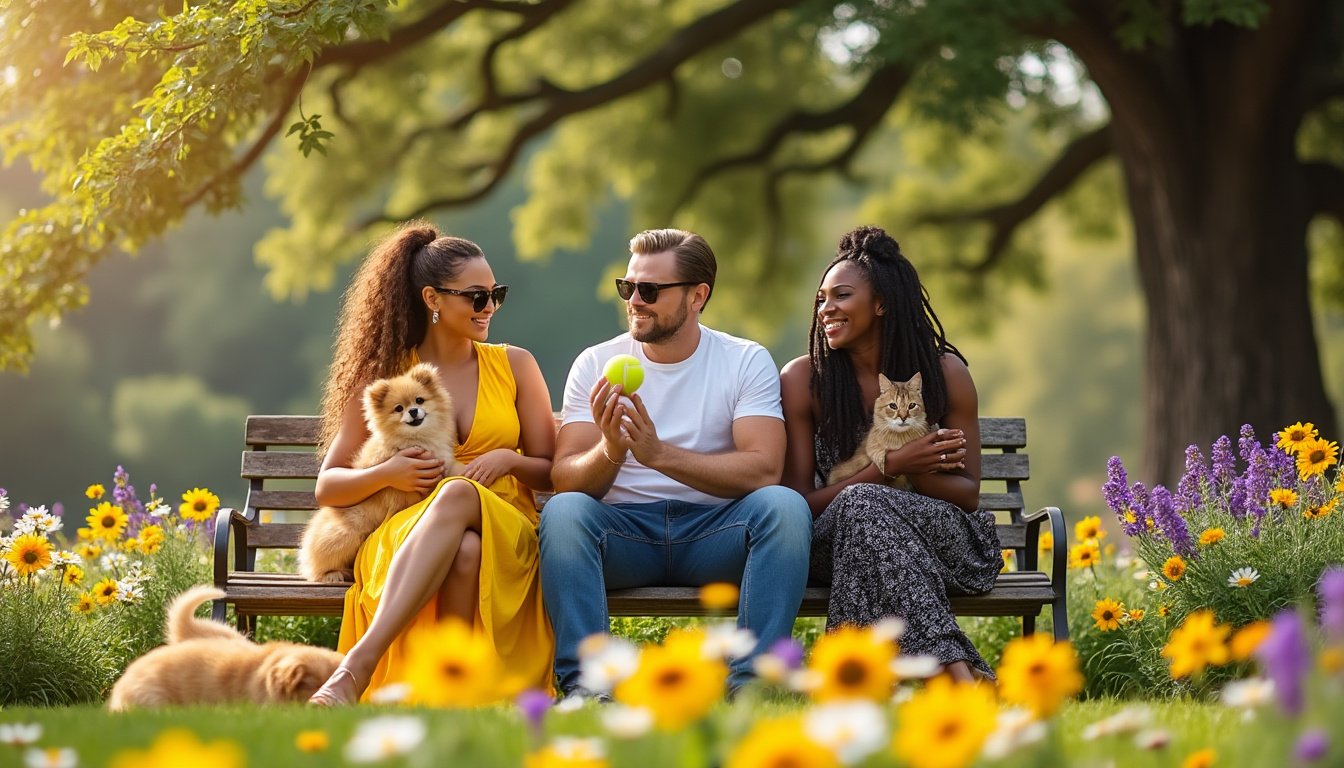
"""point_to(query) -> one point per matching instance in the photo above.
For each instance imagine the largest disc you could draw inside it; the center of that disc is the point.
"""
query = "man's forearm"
(728, 475)
(588, 472)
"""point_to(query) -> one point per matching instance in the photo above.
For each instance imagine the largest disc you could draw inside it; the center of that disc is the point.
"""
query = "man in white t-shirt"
(676, 484)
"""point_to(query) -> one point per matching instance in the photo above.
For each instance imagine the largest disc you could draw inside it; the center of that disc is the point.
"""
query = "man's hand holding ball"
(626, 372)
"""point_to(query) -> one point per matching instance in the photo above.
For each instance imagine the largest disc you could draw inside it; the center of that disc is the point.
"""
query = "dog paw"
(336, 577)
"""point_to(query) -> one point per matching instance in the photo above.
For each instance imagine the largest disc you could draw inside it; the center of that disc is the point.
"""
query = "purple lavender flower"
(1116, 492)
(789, 651)
(1282, 467)
(1170, 523)
(1286, 659)
(533, 703)
(1142, 503)
(1188, 493)
(1256, 483)
(1312, 746)
(1331, 591)
(1224, 462)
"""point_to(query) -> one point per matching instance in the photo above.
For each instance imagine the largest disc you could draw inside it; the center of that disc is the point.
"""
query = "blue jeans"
(587, 547)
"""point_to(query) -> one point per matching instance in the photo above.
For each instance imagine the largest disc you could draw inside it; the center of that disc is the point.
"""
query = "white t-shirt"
(692, 403)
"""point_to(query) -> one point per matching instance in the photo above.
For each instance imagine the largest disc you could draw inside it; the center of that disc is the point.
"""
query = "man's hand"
(643, 434)
(608, 410)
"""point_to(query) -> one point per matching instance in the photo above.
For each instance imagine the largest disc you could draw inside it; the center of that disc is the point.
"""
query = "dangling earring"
(434, 318)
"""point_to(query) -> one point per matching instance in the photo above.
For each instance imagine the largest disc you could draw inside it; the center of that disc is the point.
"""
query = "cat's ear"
(916, 381)
(884, 384)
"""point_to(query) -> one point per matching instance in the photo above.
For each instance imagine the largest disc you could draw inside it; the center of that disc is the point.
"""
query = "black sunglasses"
(479, 296)
(648, 292)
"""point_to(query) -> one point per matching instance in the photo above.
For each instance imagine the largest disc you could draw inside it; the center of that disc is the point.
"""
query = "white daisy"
(852, 730)
(577, 749)
(568, 704)
(4, 501)
(52, 757)
(1249, 693)
(890, 628)
(66, 557)
(129, 591)
(156, 508)
(25, 524)
(917, 667)
(1127, 720)
(382, 737)
(392, 693)
(605, 661)
(1243, 577)
(626, 722)
(113, 561)
(6, 543)
(20, 734)
(723, 640)
(1152, 739)
(1016, 728)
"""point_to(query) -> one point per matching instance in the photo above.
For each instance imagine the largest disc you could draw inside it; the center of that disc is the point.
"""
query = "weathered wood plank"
(279, 464)
(1003, 432)
(282, 430)
(1004, 466)
(282, 500)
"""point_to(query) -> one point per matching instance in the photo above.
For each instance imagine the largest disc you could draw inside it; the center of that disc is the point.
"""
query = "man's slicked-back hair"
(695, 259)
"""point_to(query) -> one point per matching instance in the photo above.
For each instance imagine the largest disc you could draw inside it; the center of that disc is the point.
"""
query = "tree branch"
(541, 13)
(557, 103)
(1004, 219)
(1325, 183)
(863, 112)
(245, 161)
(364, 52)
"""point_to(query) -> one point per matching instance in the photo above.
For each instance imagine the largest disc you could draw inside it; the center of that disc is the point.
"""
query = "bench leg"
(1029, 625)
(247, 624)
(219, 610)
(1061, 621)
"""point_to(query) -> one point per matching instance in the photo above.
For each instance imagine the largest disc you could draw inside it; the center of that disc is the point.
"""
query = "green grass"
(497, 737)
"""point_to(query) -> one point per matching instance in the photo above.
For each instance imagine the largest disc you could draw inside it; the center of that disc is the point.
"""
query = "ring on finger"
(942, 457)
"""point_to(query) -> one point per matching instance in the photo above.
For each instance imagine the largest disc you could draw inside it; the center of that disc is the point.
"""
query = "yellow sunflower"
(29, 554)
(105, 591)
(1321, 510)
(1284, 497)
(448, 665)
(852, 663)
(1198, 643)
(1107, 614)
(1135, 614)
(107, 521)
(73, 576)
(83, 604)
(178, 746)
(1039, 674)
(1164, 611)
(569, 753)
(1332, 660)
(675, 681)
(1212, 536)
(720, 597)
(1204, 758)
(1292, 438)
(1174, 568)
(94, 491)
(198, 504)
(780, 743)
(1085, 555)
(1315, 456)
(1046, 541)
(312, 741)
(945, 724)
(87, 550)
(1247, 639)
(1088, 528)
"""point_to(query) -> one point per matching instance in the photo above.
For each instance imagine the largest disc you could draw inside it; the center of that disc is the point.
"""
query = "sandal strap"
(326, 695)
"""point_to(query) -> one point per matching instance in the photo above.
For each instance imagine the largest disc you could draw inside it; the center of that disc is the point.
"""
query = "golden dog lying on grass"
(206, 662)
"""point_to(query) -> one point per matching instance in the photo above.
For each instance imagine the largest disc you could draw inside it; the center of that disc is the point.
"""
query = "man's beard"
(659, 331)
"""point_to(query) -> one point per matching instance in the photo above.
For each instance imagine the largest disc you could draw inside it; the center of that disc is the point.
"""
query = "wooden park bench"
(280, 466)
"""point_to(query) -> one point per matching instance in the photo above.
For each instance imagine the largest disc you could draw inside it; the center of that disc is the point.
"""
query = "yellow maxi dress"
(510, 611)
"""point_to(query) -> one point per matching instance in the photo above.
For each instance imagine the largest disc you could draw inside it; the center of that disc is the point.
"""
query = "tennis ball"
(626, 371)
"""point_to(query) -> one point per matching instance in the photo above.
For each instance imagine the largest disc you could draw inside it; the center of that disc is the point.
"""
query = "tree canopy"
(732, 118)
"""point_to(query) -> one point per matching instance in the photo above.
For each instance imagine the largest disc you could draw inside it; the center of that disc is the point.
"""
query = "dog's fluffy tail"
(183, 624)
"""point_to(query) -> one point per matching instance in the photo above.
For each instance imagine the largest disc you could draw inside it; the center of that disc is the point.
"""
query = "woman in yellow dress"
(469, 548)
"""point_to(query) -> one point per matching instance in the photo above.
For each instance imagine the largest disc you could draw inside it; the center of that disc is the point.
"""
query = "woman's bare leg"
(418, 571)
(460, 593)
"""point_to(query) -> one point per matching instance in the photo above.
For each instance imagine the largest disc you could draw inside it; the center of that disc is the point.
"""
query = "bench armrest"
(228, 519)
(1058, 551)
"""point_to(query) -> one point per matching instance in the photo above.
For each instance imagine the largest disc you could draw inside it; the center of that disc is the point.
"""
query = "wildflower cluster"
(76, 605)
(1246, 530)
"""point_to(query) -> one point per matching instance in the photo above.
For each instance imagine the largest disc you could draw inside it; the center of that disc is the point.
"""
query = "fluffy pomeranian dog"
(206, 662)
(412, 410)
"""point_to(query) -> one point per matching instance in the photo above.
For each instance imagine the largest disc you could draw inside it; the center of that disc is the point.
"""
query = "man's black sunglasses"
(479, 296)
(648, 292)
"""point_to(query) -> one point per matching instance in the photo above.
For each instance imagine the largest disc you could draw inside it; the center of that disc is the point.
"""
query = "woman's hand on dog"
(491, 465)
(413, 469)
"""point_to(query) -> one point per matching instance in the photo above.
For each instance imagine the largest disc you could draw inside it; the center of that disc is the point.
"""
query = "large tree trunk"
(1205, 130)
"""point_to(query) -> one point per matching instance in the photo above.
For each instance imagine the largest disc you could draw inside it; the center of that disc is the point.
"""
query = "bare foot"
(339, 690)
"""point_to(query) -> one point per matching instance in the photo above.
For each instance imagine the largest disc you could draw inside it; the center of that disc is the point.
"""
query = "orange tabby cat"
(898, 418)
